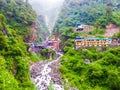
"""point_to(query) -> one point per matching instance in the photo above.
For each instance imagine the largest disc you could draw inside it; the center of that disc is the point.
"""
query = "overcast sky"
(45, 5)
(46, 1)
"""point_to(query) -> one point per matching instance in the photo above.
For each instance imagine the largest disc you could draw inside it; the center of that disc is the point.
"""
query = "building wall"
(52, 44)
(102, 42)
(86, 43)
(56, 45)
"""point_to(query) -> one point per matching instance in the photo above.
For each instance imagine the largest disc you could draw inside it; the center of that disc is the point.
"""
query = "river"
(45, 74)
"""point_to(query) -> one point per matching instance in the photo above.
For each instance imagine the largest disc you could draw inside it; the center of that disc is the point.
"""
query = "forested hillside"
(15, 18)
(19, 15)
(95, 12)
(90, 68)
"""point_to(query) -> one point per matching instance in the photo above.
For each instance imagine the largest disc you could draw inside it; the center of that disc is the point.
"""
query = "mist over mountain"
(49, 9)
(44, 7)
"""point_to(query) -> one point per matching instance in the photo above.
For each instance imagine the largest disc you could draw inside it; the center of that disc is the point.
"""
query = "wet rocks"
(44, 73)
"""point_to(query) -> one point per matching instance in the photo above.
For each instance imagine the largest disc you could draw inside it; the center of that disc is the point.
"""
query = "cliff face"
(38, 31)
(32, 36)
(42, 30)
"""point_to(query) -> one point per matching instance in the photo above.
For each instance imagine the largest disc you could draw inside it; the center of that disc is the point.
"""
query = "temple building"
(53, 43)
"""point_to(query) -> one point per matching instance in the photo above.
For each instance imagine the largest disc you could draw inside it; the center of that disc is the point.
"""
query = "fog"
(48, 8)
(44, 6)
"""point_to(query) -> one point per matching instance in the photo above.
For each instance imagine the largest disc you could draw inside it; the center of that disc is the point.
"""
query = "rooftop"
(81, 39)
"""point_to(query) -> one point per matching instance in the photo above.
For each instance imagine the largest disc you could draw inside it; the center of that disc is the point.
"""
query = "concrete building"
(87, 42)
(84, 28)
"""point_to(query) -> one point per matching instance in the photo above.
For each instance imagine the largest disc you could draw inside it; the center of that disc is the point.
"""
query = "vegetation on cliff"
(19, 15)
(14, 60)
(15, 18)
(42, 30)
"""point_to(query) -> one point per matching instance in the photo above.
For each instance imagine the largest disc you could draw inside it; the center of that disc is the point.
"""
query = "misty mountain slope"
(49, 10)
(42, 30)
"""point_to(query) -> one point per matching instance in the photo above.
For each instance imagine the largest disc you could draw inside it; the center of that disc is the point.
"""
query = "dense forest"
(15, 18)
(19, 16)
(102, 72)
(98, 13)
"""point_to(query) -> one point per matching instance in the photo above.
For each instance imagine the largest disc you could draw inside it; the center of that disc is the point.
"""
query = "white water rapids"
(43, 75)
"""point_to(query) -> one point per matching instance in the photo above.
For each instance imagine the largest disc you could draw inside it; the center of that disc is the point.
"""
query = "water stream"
(46, 73)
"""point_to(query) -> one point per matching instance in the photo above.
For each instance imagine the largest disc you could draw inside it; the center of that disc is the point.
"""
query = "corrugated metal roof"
(98, 39)
(79, 39)
(82, 39)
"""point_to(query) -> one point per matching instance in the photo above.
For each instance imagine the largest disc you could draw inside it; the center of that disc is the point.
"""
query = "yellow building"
(81, 42)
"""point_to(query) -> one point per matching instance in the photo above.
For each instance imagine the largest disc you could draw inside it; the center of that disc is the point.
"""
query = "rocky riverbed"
(46, 74)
